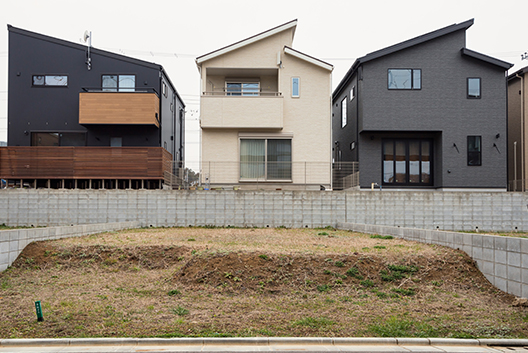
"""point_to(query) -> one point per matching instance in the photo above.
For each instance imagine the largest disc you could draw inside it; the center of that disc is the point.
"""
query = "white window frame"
(353, 92)
(344, 112)
(298, 87)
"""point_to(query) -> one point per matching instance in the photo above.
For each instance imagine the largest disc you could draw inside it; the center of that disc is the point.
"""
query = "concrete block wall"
(491, 211)
(503, 260)
(498, 211)
(13, 241)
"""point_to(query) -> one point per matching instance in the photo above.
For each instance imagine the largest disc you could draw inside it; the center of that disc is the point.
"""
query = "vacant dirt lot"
(177, 282)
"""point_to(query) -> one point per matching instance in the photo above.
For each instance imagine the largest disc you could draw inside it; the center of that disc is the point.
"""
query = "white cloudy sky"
(172, 33)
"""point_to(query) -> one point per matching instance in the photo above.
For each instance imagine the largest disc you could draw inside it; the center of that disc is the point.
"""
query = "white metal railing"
(294, 175)
(224, 92)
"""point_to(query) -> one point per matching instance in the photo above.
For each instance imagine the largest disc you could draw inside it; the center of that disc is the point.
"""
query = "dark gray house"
(424, 113)
(64, 94)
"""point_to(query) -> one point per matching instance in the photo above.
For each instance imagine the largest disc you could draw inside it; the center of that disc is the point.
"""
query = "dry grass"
(250, 282)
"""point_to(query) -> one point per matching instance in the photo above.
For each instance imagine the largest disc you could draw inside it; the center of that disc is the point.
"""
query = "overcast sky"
(173, 33)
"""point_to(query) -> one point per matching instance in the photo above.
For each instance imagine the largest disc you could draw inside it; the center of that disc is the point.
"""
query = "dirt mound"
(272, 273)
(42, 255)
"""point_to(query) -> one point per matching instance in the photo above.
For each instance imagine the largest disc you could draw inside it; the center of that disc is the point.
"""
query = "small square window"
(473, 88)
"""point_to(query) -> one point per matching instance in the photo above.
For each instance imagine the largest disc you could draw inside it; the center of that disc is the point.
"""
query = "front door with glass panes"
(407, 162)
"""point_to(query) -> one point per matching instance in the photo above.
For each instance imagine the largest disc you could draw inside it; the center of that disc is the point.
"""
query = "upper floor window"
(344, 112)
(353, 92)
(58, 139)
(473, 87)
(121, 83)
(296, 82)
(474, 156)
(405, 79)
(242, 88)
(50, 80)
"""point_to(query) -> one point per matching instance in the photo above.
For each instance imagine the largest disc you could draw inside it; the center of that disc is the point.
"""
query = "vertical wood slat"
(84, 162)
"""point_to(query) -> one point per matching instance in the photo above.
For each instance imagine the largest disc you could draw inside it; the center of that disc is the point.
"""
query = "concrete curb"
(260, 341)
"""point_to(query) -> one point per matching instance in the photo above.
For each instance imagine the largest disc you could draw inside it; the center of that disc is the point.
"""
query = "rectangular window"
(473, 88)
(50, 80)
(295, 87)
(353, 92)
(58, 139)
(344, 112)
(265, 159)
(405, 79)
(242, 88)
(474, 150)
(407, 162)
(121, 83)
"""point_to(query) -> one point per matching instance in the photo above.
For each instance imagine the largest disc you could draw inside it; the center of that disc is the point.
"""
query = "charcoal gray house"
(111, 117)
(424, 113)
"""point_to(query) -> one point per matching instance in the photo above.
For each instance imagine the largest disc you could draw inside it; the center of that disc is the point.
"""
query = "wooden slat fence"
(84, 162)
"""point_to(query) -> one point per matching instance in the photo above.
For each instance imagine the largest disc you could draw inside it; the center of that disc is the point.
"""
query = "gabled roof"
(308, 58)
(94, 51)
(415, 41)
(247, 41)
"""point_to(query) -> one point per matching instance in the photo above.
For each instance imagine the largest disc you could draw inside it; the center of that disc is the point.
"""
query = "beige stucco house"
(265, 114)
(518, 130)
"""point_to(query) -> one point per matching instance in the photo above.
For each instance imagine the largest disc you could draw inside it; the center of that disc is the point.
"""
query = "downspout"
(523, 177)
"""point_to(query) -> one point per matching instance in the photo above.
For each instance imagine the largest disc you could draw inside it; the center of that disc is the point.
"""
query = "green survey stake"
(39, 311)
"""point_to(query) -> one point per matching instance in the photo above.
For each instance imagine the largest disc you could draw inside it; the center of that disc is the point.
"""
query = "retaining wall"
(503, 260)
(498, 211)
(13, 241)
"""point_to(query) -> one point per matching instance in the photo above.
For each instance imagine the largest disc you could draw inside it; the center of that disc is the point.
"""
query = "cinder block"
(514, 258)
(488, 241)
(500, 257)
(501, 283)
(514, 273)
(513, 244)
(488, 268)
(514, 288)
(524, 290)
(501, 243)
(476, 253)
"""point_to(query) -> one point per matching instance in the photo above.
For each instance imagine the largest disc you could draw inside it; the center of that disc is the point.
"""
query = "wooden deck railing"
(84, 162)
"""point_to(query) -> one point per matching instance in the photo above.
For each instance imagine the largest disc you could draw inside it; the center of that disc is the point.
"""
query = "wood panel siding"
(131, 108)
(84, 162)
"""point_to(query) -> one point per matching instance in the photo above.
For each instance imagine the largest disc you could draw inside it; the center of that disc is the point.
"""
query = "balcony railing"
(224, 92)
(137, 107)
(283, 175)
(84, 162)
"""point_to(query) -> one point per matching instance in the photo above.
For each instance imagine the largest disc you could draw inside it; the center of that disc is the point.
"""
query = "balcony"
(263, 111)
(84, 162)
(122, 108)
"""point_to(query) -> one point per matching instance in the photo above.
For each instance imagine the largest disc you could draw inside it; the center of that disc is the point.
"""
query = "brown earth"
(198, 283)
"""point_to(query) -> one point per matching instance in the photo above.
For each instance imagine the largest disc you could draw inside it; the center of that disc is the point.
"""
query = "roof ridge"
(246, 41)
